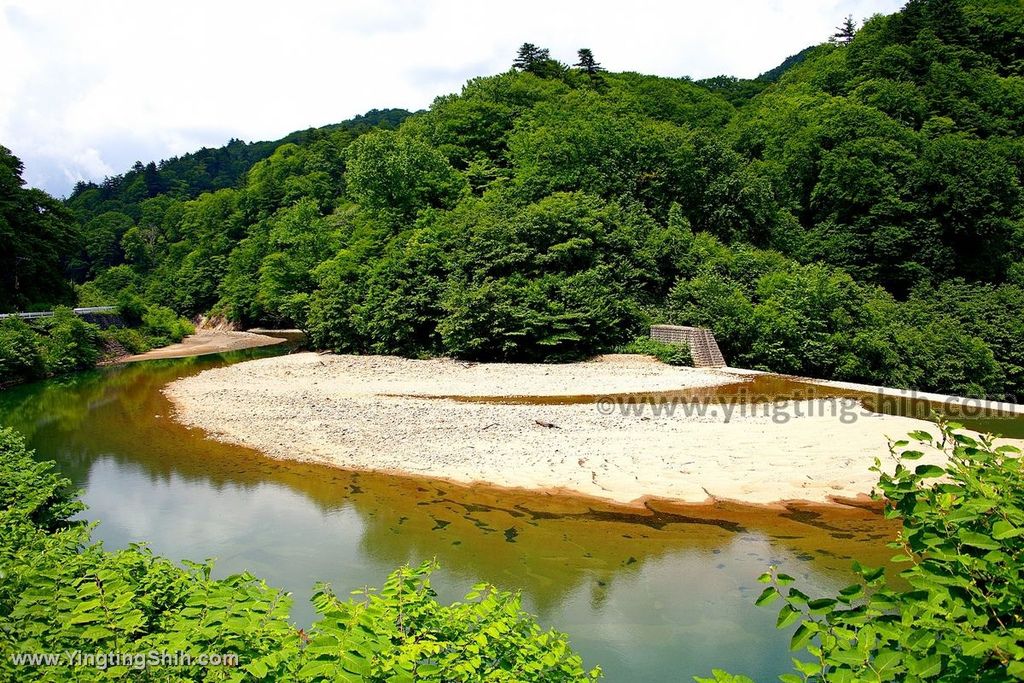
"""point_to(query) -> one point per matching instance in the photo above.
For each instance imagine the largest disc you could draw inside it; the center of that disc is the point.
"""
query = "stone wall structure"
(703, 346)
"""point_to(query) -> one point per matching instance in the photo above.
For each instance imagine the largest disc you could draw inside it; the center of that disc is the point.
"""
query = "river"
(651, 594)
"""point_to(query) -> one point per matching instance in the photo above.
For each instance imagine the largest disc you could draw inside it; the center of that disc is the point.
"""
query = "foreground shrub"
(69, 343)
(118, 339)
(20, 356)
(131, 308)
(162, 326)
(671, 354)
(62, 593)
(65, 343)
(956, 613)
(109, 287)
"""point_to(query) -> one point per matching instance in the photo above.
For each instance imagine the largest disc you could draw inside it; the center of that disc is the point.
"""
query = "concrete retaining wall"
(703, 346)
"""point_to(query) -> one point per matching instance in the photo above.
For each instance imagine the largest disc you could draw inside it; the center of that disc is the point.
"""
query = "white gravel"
(373, 412)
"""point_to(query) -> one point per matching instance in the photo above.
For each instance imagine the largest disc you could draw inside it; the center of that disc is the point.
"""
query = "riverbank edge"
(569, 497)
(205, 342)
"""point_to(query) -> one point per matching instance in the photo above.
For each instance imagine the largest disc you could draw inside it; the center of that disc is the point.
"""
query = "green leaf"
(1003, 529)
(973, 648)
(965, 440)
(800, 637)
(929, 471)
(796, 597)
(821, 605)
(870, 575)
(974, 539)
(886, 659)
(851, 593)
(928, 667)
(787, 615)
(258, 669)
(96, 633)
(809, 668)
(767, 597)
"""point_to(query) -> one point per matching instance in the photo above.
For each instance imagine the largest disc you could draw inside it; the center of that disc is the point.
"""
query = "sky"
(88, 88)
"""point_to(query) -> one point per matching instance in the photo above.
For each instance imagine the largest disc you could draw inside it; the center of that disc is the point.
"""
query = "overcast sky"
(87, 88)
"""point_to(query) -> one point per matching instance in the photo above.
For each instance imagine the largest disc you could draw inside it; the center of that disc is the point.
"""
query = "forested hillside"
(856, 215)
(207, 170)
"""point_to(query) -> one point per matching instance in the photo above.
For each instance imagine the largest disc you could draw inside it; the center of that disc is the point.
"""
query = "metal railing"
(47, 314)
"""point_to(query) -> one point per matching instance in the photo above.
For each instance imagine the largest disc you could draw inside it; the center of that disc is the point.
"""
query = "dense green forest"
(855, 213)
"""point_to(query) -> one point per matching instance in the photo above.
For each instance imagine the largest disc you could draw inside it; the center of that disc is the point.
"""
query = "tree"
(101, 240)
(846, 31)
(587, 63)
(137, 247)
(584, 143)
(154, 183)
(400, 174)
(529, 56)
(21, 358)
(551, 280)
(37, 238)
(537, 61)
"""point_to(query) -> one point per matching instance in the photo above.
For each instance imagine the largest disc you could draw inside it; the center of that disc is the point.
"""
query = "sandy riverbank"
(206, 341)
(381, 413)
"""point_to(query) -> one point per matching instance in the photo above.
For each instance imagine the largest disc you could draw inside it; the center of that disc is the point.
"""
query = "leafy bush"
(330, 311)
(65, 343)
(672, 354)
(124, 338)
(162, 326)
(132, 308)
(87, 294)
(69, 343)
(62, 593)
(391, 172)
(109, 287)
(20, 356)
(956, 613)
(488, 637)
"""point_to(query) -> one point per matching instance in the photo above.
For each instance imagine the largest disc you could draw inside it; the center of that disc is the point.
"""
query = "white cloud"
(86, 164)
(88, 88)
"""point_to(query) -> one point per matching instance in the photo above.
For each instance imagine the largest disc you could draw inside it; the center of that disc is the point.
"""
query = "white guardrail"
(47, 314)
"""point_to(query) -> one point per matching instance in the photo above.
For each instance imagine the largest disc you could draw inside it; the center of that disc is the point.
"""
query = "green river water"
(651, 594)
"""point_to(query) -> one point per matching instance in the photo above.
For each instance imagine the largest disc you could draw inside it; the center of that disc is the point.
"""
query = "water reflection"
(653, 593)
